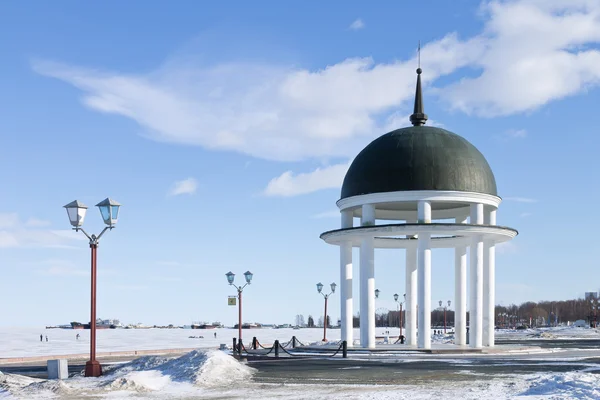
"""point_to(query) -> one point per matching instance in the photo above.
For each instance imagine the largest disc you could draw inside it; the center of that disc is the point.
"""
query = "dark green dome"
(419, 158)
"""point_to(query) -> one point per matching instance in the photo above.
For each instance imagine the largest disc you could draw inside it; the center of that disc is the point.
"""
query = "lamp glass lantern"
(377, 291)
(333, 285)
(248, 275)
(109, 209)
(440, 302)
(449, 302)
(76, 211)
(395, 296)
(319, 287)
(230, 277)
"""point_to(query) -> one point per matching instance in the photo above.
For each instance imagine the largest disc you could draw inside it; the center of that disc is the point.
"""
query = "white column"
(486, 288)
(476, 281)
(460, 291)
(489, 284)
(367, 282)
(411, 294)
(346, 282)
(424, 278)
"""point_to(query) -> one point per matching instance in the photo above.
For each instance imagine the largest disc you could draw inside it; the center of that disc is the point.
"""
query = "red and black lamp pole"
(230, 277)
(109, 209)
(319, 289)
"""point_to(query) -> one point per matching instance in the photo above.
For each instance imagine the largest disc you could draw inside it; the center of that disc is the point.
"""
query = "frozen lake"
(25, 342)
(208, 374)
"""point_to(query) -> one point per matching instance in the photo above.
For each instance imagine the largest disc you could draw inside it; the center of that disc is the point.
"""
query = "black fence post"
(240, 346)
(293, 342)
(276, 348)
(345, 349)
(254, 343)
(234, 345)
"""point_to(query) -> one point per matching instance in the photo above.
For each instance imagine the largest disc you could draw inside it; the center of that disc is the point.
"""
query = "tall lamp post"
(230, 277)
(445, 308)
(326, 296)
(109, 209)
(399, 308)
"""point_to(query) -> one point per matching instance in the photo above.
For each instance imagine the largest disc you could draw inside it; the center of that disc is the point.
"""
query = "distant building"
(591, 295)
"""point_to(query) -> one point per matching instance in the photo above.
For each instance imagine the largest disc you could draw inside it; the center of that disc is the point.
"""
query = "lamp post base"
(93, 368)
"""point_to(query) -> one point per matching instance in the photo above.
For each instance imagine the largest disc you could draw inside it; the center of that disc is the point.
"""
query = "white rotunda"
(398, 186)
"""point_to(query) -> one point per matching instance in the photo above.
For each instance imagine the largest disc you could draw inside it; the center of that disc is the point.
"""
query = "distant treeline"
(528, 313)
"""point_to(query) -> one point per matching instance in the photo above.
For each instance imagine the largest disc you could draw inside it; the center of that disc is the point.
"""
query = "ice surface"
(211, 374)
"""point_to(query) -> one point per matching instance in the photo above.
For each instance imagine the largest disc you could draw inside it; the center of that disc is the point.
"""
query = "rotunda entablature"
(445, 235)
(402, 205)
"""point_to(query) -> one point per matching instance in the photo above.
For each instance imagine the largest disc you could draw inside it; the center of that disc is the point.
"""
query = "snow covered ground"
(211, 374)
(559, 332)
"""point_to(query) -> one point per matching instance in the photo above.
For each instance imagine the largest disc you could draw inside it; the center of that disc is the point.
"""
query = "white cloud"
(266, 111)
(327, 214)
(288, 184)
(186, 186)
(525, 215)
(14, 233)
(37, 223)
(58, 267)
(536, 51)
(357, 25)
(66, 271)
(521, 199)
(528, 53)
(8, 220)
(516, 133)
(7, 239)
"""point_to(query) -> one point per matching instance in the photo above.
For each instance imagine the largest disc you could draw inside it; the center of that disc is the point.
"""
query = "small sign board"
(231, 301)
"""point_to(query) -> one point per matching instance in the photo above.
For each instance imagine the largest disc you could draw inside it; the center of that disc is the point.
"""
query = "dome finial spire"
(418, 116)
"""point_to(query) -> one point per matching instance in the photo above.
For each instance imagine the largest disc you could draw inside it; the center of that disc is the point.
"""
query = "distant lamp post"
(230, 278)
(326, 296)
(109, 209)
(399, 308)
(377, 291)
(445, 308)
(594, 313)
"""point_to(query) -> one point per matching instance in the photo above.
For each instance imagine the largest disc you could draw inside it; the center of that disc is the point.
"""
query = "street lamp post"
(399, 308)
(230, 277)
(109, 209)
(445, 308)
(377, 291)
(326, 296)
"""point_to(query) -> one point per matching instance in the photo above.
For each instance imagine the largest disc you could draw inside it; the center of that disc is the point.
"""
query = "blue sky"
(225, 131)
